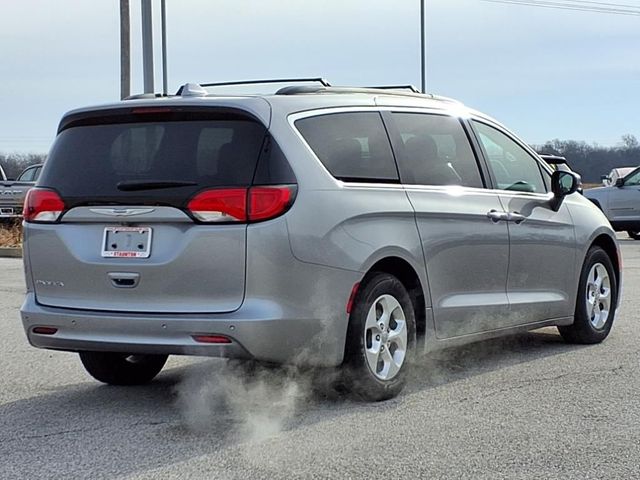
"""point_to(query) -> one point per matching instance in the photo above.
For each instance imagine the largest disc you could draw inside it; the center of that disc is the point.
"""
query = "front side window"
(512, 166)
(353, 146)
(633, 179)
(435, 150)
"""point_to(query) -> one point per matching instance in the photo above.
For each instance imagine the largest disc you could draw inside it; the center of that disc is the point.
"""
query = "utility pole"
(147, 46)
(125, 51)
(163, 7)
(423, 49)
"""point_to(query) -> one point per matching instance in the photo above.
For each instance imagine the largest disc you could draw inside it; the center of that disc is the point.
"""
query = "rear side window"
(435, 150)
(353, 146)
(89, 163)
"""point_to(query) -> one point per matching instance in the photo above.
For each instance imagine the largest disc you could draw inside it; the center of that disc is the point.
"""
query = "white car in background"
(620, 202)
(615, 174)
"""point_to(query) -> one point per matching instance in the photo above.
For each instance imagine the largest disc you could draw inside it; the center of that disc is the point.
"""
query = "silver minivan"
(317, 226)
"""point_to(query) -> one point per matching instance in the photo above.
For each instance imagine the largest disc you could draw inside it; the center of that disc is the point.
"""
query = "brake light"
(269, 202)
(42, 205)
(220, 205)
(150, 110)
(242, 204)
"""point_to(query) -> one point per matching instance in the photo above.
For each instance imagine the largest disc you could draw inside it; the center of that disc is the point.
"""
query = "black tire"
(633, 234)
(358, 376)
(583, 330)
(122, 368)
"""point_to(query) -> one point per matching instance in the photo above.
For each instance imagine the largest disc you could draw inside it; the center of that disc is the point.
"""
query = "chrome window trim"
(502, 129)
(532, 153)
(459, 113)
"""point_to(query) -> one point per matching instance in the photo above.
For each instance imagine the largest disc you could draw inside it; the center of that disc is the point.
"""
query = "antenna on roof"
(192, 90)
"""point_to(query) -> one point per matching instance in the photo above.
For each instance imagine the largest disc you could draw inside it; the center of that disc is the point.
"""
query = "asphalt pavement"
(522, 407)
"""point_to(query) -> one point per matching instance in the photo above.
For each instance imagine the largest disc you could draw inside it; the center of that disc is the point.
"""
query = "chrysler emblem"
(121, 212)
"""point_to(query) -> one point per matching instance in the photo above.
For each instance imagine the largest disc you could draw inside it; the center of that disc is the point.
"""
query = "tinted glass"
(273, 167)
(513, 167)
(27, 175)
(87, 163)
(633, 179)
(435, 150)
(352, 146)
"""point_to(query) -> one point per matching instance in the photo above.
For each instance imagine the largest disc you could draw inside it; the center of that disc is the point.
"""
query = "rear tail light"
(42, 205)
(220, 205)
(242, 204)
(269, 202)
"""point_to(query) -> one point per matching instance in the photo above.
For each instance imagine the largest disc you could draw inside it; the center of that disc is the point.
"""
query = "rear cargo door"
(128, 240)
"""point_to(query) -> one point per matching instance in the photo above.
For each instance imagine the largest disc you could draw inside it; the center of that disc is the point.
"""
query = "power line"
(608, 4)
(586, 4)
(572, 6)
(628, 11)
(568, 6)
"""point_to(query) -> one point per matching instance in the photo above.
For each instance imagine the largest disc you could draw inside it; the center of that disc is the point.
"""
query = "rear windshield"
(161, 161)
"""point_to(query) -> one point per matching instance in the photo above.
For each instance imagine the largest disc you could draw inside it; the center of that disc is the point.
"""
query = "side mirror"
(620, 182)
(563, 184)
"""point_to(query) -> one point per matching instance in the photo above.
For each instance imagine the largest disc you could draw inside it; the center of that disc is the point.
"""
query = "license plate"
(126, 242)
(6, 211)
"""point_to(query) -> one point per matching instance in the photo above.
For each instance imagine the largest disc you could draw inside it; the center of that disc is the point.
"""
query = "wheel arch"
(408, 276)
(596, 203)
(610, 247)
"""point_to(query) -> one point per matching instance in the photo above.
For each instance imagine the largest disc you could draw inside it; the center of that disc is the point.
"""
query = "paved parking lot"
(527, 406)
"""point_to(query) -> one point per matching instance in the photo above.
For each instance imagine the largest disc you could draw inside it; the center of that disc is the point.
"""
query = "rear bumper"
(10, 211)
(259, 330)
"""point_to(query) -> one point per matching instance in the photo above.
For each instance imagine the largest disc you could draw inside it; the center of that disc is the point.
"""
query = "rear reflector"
(44, 330)
(42, 205)
(211, 339)
(254, 204)
(352, 297)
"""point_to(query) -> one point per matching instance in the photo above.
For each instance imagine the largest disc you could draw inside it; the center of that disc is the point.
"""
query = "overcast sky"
(544, 73)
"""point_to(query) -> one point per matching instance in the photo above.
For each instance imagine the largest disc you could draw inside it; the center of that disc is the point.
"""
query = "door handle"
(124, 280)
(516, 217)
(497, 216)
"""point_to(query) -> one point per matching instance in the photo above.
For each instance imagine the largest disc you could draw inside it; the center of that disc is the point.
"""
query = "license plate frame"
(137, 242)
(7, 212)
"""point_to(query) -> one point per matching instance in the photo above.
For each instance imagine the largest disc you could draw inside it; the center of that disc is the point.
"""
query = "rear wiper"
(132, 185)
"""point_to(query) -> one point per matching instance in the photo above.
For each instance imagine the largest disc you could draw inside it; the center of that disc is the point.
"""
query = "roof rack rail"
(299, 90)
(320, 80)
(411, 88)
